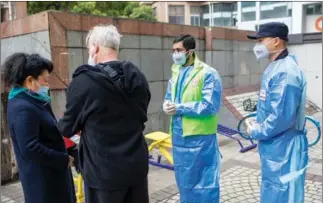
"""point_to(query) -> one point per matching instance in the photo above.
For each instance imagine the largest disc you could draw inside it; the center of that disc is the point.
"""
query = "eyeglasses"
(178, 50)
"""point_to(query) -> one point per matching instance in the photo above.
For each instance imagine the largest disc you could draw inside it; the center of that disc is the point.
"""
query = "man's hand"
(249, 127)
(169, 108)
(71, 161)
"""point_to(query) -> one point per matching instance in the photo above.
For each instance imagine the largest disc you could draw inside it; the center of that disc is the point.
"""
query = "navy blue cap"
(273, 29)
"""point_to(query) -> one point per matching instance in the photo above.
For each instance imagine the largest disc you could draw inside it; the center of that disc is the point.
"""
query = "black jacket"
(40, 151)
(113, 151)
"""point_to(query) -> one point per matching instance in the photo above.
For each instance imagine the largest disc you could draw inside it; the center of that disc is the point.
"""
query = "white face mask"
(179, 58)
(261, 51)
(91, 61)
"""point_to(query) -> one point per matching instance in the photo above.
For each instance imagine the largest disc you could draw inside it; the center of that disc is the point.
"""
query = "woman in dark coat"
(43, 163)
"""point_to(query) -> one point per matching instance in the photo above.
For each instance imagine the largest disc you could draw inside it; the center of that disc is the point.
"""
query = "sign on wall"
(318, 24)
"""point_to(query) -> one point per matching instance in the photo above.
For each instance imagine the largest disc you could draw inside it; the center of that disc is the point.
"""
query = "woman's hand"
(71, 161)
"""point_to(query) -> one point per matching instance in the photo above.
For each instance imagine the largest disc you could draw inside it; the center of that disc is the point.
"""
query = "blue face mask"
(179, 58)
(43, 91)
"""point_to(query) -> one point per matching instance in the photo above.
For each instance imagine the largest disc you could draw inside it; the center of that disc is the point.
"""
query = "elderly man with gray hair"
(107, 101)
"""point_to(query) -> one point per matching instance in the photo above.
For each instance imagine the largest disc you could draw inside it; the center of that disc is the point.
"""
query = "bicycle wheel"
(313, 131)
(242, 126)
(313, 128)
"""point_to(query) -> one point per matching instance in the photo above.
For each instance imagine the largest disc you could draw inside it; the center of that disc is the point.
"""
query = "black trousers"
(137, 194)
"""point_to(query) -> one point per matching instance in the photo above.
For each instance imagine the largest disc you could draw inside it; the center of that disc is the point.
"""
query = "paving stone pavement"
(240, 177)
(242, 184)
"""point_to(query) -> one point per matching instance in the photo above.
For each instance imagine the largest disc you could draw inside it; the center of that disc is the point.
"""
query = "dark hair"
(19, 66)
(188, 41)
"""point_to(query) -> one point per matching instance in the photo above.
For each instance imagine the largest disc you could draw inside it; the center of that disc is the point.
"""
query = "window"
(224, 7)
(223, 14)
(248, 11)
(235, 6)
(262, 3)
(310, 10)
(195, 15)
(245, 4)
(206, 22)
(314, 9)
(154, 12)
(3, 13)
(318, 9)
(277, 12)
(222, 21)
(195, 20)
(205, 9)
(274, 10)
(248, 16)
(289, 12)
(176, 15)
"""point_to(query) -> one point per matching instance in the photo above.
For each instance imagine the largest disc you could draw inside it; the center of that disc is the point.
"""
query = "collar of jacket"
(282, 55)
(15, 91)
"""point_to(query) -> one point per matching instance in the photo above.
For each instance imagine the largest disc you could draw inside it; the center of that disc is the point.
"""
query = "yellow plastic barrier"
(161, 141)
(78, 181)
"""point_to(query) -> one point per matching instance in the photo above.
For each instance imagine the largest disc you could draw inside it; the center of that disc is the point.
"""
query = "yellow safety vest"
(192, 92)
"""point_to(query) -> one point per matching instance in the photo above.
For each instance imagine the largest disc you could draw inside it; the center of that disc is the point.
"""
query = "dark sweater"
(113, 151)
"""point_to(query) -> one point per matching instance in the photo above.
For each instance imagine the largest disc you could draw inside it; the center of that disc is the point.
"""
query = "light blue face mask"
(179, 58)
(43, 91)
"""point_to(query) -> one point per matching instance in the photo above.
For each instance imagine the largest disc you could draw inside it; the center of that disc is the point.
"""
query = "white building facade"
(300, 17)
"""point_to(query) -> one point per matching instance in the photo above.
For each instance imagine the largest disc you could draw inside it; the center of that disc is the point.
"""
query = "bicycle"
(311, 124)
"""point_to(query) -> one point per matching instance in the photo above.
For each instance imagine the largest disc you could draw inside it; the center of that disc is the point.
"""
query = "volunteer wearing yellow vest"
(193, 99)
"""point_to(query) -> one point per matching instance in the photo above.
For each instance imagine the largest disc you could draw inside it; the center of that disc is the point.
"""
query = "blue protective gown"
(197, 157)
(283, 146)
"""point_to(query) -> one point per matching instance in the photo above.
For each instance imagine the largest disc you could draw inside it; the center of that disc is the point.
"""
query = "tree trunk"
(8, 161)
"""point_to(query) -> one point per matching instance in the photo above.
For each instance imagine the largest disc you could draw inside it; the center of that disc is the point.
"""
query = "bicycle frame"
(314, 121)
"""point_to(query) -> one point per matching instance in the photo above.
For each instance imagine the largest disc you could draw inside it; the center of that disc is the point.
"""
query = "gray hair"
(104, 35)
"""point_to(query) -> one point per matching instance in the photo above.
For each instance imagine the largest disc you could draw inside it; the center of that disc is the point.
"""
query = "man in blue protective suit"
(280, 127)
(193, 100)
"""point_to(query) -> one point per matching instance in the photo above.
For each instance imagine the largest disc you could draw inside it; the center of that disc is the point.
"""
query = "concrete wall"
(236, 62)
(310, 60)
(152, 55)
(146, 44)
(37, 42)
(34, 43)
